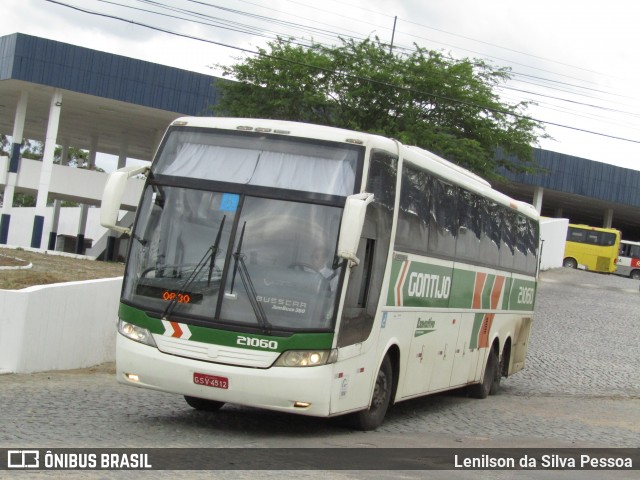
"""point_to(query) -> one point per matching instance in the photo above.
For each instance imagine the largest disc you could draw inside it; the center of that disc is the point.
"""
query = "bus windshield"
(230, 259)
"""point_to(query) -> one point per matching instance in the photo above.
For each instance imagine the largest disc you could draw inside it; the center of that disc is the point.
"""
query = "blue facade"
(47, 62)
(579, 176)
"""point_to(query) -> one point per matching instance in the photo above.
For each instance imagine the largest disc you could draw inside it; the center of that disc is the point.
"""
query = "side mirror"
(112, 196)
(351, 226)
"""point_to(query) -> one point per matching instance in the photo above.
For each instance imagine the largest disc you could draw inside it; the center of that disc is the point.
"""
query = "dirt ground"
(49, 268)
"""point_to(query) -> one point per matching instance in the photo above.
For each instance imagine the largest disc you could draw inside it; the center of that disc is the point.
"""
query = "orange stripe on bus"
(177, 331)
(496, 291)
(477, 290)
(400, 282)
(485, 328)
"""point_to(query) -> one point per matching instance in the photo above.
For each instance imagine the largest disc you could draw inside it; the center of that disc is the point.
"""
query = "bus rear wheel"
(490, 380)
(203, 404)
(372, 418)
(570, 263)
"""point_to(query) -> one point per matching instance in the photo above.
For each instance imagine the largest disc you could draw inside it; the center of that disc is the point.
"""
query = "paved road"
(580, 388)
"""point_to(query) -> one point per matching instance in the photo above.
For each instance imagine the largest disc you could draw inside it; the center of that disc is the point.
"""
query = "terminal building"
(70, 96)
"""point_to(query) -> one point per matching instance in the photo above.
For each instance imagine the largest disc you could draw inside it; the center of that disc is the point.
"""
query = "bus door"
(466, 354)
(363, 291)
(424, 289)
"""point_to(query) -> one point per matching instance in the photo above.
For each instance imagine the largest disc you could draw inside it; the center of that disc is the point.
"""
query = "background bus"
(628, 263)
(591, 248)
(318, 271)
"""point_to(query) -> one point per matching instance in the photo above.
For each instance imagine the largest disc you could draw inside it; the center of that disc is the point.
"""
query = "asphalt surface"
(580, 389)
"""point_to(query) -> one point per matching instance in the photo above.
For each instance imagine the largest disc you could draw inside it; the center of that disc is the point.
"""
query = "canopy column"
(47, 167)
(14, 163)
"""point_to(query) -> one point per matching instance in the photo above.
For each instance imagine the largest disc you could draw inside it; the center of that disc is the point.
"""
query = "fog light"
(301, 404)
(132, 377)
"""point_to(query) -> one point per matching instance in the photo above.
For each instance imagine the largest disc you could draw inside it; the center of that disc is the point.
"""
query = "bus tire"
(203, 404)
(570, 263)
(635, 274)
(495, 385)
(372, 417)
(490, 379)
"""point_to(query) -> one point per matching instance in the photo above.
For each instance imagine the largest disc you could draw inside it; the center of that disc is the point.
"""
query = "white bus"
(318, 271)
(628, 261)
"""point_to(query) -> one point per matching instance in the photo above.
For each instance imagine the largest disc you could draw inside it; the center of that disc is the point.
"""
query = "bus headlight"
(306, 358)
(135, 333)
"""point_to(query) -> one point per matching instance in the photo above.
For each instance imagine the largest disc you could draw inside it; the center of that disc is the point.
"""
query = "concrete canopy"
(118, 102)
(115, 125)
(583, 190)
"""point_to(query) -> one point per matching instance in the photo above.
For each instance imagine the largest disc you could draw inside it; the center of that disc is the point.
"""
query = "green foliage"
(5, 144)
(425, 98)
(23, 200)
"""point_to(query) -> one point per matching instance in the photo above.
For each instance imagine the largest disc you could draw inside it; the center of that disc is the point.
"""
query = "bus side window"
(576, 235)
(412, 232)
(360, 278)
(443, 227)
(520, 253)
(508, 239)
(533, 237)
(470, 228)
(491, 227)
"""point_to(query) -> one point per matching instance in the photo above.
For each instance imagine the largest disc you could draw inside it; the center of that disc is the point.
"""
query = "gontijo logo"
(421, 284)
(429, 286)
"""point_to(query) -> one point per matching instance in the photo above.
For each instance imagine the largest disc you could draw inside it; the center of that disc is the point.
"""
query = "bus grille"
(215, 353)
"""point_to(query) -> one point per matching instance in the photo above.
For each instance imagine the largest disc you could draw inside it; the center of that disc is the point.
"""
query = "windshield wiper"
(210, 255)
(239, 264)
(216, 244)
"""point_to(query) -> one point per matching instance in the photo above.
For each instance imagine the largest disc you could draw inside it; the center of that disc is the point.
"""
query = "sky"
(577, 59)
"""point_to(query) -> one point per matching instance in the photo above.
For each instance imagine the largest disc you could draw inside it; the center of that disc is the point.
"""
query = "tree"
(4, 145)
(423, 98)
(34, 150)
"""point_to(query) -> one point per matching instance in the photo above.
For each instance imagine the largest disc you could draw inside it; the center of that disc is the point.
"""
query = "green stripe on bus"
(425, 285)
(214, 336)
(477, 323)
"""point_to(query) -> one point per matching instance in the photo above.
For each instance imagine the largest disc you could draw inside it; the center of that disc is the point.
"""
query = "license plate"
(210, 380)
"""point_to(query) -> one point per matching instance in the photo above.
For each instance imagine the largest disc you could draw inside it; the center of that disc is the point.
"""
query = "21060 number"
(525, 295)
(257, 342)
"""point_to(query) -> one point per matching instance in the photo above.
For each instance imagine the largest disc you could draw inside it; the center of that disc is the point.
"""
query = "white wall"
(58, 327)
(74, 183)
(553, 232)
(78, 184)
(21, 227)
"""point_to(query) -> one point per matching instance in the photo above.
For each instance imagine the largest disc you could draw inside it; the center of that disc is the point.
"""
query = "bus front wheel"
(203, 404)
(372, 418)
(570, 263)
(635, 275)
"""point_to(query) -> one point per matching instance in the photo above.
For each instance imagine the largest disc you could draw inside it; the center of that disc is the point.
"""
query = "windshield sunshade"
(261, 161)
